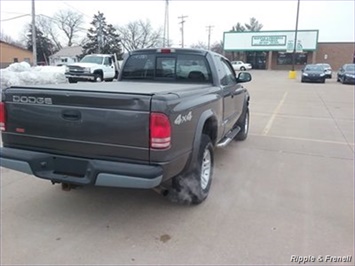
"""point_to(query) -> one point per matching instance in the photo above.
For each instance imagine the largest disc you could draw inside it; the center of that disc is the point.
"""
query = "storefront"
(274, 49)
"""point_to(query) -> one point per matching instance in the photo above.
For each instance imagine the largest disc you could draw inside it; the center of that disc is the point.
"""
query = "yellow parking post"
(292, 74)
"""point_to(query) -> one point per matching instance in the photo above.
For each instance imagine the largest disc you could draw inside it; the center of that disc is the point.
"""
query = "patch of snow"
(23, 74)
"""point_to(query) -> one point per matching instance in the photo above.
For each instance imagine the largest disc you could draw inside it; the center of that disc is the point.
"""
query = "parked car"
(328, 70)
(241, 66)
(346, 74)
(313, 73)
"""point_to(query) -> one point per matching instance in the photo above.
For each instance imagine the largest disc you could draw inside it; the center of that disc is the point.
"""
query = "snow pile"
(23, 74)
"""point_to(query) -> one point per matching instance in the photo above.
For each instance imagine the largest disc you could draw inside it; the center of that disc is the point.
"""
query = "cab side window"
(108, 61)
(228, 73)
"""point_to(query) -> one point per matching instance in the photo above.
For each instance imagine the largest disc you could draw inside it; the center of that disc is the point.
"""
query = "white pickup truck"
(93, 67)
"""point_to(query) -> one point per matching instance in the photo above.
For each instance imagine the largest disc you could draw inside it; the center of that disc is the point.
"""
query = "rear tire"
(193, 188)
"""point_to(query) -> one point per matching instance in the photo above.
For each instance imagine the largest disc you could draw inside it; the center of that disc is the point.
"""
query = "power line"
(65, 3)
(15, 13)
(8, 19)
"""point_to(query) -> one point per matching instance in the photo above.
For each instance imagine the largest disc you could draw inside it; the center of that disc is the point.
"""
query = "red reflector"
(2, 117)
(165, 51)
(20, 130)
(160, 131)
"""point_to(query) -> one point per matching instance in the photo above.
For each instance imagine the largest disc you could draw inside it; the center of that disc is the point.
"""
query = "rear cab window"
(174, 67)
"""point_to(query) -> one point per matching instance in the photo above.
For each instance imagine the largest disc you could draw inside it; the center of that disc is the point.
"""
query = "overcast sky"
(334, 19)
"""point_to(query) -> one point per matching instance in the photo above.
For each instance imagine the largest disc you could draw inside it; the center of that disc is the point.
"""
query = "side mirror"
(302, 69)
(243, 77)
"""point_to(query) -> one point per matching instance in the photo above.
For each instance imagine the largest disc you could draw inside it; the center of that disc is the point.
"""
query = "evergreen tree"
(239, 27)
(44, 46)
(253, 25)
(102, 38)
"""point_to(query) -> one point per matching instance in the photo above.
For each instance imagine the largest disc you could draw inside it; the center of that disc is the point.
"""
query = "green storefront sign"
(268, 40)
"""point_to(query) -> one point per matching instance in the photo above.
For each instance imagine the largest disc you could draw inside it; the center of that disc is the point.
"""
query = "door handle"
(71, 115)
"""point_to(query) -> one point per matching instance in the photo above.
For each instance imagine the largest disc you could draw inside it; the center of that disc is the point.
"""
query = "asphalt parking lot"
(288, 190)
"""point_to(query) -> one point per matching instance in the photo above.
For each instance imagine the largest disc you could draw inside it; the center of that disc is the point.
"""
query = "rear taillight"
(2, 116)
(160, 131)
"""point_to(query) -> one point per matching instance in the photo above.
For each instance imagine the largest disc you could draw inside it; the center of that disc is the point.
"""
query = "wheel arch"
(207, 124)
(99, 71)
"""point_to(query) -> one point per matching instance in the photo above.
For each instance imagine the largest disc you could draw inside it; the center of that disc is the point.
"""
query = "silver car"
(328, 70)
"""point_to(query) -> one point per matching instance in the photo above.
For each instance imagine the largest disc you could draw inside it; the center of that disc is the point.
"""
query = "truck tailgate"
(92, 124)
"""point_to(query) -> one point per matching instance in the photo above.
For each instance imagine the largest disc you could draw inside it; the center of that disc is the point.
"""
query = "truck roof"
(98, 55)
(171, 50)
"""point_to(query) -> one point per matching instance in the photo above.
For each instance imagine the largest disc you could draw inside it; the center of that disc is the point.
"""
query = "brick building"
(335, 53)
(10, 53)
(274, 49)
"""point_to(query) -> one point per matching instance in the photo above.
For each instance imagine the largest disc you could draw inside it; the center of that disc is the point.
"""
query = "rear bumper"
(78, 171)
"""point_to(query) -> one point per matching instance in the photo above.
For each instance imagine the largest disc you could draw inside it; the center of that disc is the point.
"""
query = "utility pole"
(166, 25)
(295, 41)
(182, 29)
(34, 41)
(209, 28)
(100, 36)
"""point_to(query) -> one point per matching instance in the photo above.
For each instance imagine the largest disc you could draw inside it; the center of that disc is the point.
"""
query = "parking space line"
(274, 114)
(302, 117)
(303, 139)
(335, 121)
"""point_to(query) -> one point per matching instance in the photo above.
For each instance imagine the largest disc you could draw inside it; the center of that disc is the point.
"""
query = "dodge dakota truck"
(156, 128)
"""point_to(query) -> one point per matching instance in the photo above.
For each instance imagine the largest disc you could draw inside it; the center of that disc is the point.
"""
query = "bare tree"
(217, 47)
(8, 39)
(140, 34)
(70, 23)
(199, 45)
(47, 26)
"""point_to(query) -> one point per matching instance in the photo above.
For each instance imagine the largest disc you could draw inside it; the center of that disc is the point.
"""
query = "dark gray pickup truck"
(156, 127)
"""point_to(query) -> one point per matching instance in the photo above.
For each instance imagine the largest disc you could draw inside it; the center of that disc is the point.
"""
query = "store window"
(15, 60)
(286, 58)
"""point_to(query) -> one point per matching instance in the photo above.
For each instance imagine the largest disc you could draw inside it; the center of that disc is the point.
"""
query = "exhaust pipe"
(161, 190)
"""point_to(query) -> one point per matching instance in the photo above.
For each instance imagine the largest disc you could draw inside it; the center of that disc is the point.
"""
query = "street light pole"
(295, 41)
